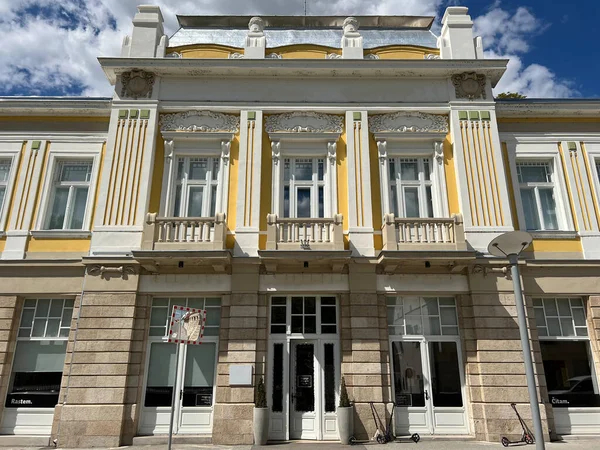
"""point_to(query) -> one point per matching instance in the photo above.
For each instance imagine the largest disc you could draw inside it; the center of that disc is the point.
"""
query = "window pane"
(563, 307)
(56, 308)
(408, 374)
(278, 314)
(75, 172)
(532, 220)
(42, 308)
(52, 328)
(450, 331)
(286, 201)
(445, 385)
(412, 305)
(430, 306)
(329, 379)
(2, 191)
(533, 173)
(177, 206)
(411, 202)
(286, 170)
(394, 200)
(277, 404)
(426, 169)
(200, 365)
(567, 327)
(328, 314)
(431, 326)
(310, 305)
(321, 201)
(59, 207)
(550, 307)
(392, 167)
(297, 305)
(320, 169)
(553, 327)
(158, 317)
(39, 327)
(213, 317)
(429, 202)
(548, 209)
(303, 169)
(448, 316)
(195, 202)
(216, 167)
(79, 205)
(409, 170)
(539, 317)
(4, 169)
(447, 301)
(27, 318)
(198, 169)
(310, 324)
(296, 324)
(303, 202)
(328, 301)
(414, 325)
(40, 356)
(579, 317)
(160, 375)
(213, 201)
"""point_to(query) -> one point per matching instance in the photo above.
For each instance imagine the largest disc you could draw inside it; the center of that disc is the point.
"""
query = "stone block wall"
(102, 371)
(495, 371)
(9, 323)
(593, 321)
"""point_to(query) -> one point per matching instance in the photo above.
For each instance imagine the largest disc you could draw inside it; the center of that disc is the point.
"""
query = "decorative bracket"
(382, 150)
(225, 150)
(332, 152)
(276, 151)
(169, 149)
(438, 148)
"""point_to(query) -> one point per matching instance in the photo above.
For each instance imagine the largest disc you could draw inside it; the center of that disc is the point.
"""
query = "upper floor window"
(196, 186)
(411, 187)
(5, 164)
(69, 197)
(303, 187)
(538, 190)
(598, 168)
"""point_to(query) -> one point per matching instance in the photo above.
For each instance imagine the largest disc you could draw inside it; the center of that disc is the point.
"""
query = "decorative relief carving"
(304, 122)
(169, 149)
(431, 56)
(274, 56)
(382, 150)
(333, 56)
(371, 56)
(173, 55)
(408, 122)
(225, 150)
(469, 85)
(137, 84)
(438, 148)
(203, 121)
(275, 151)
(236, 55)
(111, 271)
(332, 152)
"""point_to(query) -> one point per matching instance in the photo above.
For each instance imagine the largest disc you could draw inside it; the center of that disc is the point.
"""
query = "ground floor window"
(40, 353)
(566, 352)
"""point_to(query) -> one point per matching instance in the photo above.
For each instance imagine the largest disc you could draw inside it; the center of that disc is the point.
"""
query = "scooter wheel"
(505, 441)
(352, 440)
(528, 438)
(415, 437)
(381, 439)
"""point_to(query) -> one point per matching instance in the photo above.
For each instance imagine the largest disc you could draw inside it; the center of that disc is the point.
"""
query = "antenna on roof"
(305, 7)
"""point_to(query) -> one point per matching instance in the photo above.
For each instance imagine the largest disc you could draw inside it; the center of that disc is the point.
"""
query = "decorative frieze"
(408, 122)
(469, 85)
(200, 121)
(304, 122)
(137, 84)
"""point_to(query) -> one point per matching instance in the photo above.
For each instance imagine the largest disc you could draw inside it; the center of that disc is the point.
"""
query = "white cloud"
(506, 35)
(52, 47)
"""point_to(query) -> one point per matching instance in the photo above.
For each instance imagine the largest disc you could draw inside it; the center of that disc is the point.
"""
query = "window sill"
(554, 234)
(61, 234)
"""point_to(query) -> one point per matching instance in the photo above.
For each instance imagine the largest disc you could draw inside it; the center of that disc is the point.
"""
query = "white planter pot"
(345, 421)
(261, 425)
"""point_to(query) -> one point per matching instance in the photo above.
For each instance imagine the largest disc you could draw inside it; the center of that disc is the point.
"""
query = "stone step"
(181, 439)
(20, 441)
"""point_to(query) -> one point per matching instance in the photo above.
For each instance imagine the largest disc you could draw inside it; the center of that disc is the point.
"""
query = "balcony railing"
(305, 233)
(184, 233)
(423, 234)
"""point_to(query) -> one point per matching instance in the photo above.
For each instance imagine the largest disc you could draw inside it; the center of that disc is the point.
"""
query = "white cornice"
(302, 68)
(548, 108)
(41, 106)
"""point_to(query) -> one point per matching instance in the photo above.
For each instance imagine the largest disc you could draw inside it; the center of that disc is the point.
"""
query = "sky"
(50, 47)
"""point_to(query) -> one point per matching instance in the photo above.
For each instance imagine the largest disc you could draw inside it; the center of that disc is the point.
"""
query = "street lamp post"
(510, 245)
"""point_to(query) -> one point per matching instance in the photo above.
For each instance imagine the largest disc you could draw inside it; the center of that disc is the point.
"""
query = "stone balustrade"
(423, 233)
(184, 233)
(304, 233)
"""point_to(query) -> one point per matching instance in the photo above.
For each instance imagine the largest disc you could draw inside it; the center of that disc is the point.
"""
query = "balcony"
(436, 234)
(305, 233)
(184, 233)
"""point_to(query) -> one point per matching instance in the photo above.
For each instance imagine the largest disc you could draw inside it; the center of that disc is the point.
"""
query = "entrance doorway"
(303, 372)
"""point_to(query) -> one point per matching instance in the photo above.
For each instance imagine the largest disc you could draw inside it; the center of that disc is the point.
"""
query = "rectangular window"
(5, 164)
(429, 316)
(196, 187)
(163, 307)
(304, 187)
(40, 353)
(538, 194)
(68, 201)
(410, 185)
(329, 370)
(308, 315)
(598, 168)
(563, 317)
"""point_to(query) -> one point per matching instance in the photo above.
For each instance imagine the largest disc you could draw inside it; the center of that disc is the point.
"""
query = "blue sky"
(50, 47)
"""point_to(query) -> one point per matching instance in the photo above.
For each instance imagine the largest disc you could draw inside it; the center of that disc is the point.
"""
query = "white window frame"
(317, 146)
(208, 145)
(186, 184)
(68, 152)
(394, 147)
(398, 299)
(12, 151)
(592, 150)
(542, 152)
(313, 185)
(535, 186)
(398, 185)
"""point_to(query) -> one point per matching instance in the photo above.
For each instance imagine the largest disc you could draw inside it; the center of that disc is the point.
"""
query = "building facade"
(326, 189)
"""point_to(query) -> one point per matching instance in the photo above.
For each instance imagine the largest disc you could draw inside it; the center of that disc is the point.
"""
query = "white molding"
(69, 152)
(70, 137)
(60, 234)
(200, 121)
(548, 137)
(408, 122)
(12, 151)
(301, 122)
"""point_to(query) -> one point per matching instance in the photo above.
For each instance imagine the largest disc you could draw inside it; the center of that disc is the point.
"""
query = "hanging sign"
(186, 325)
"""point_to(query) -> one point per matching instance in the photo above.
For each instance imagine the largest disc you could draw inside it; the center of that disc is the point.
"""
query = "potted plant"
(345, 416)
(261, 415)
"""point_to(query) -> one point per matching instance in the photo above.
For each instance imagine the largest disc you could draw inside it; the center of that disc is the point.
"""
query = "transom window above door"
(411, 187)
(303, 315)
(196, 186)
(537, 186)
(304, 187)
(429, 316)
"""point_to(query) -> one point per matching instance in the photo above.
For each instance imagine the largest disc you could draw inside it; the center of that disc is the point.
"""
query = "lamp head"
(511, 243)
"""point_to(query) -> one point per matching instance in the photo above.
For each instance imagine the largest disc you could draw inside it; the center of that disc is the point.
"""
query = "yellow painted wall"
(157, 175)
(342, 183)
(511, 189)
(234, 167)
(557, 245)
(205, 51)
(451, 183)
(304, 51)
(2, 245)
(38, 193)
(402, 52)
(266, 183)
(58, 245)
(375, 191)
(12, 194)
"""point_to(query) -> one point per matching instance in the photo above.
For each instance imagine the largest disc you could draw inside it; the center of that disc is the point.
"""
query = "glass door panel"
(408, 374)
(446, 386)
(303, 420)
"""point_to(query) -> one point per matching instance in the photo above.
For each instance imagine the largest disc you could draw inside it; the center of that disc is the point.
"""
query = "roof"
(548, 107)
(55, 106)
(377, 31)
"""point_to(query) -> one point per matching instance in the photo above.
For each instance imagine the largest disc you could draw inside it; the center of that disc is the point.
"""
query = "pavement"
(591, 443)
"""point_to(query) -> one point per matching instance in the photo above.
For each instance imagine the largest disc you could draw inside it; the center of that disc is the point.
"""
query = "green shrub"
(261, 395)
(344, 399)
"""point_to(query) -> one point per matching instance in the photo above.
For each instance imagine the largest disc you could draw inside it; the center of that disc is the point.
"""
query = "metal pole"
(531, 385)
(174, 390)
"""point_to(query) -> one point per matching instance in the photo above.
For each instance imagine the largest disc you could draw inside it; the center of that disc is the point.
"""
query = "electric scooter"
(527, 436)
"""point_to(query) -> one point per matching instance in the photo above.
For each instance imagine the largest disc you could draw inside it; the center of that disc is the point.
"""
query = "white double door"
(304, 386)
(428, 384)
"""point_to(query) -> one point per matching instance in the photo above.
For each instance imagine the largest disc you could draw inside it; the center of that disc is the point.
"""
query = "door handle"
(426, 395)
